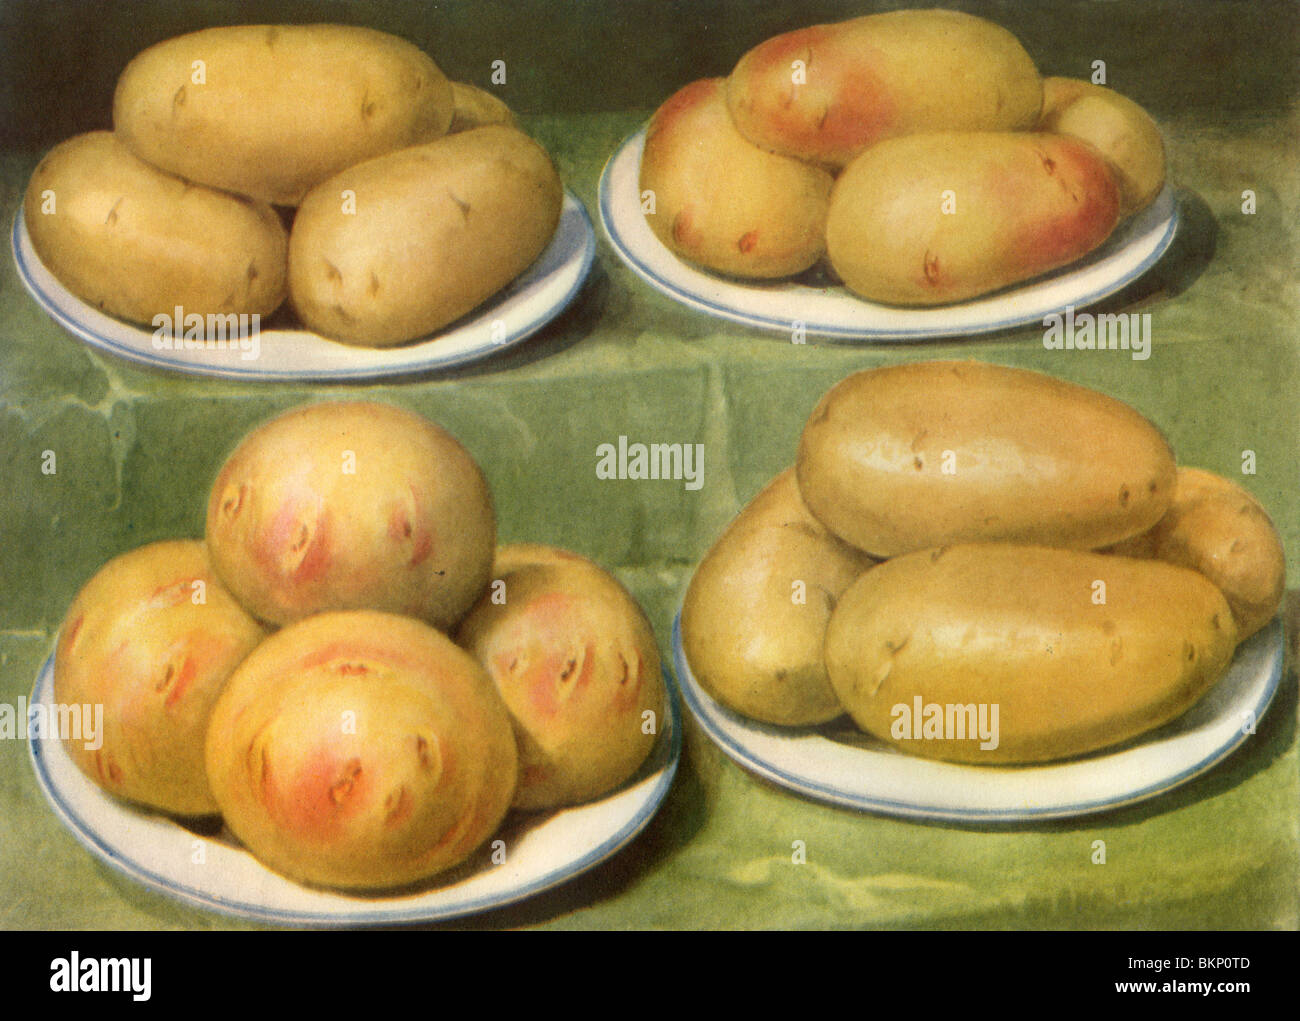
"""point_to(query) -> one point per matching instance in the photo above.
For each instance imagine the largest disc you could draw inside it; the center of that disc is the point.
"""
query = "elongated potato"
(940, 218)
(1217, 528)
(911, 456)
(754, 618)
(137, 243)
(473, 107)
(1055, 652)
(270, 111)
(399, 246)
(828, 92)
(722, 202)
(1116, 127)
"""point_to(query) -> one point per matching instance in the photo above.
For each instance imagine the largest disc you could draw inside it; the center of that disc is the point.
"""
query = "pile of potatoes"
(348, 669)
(410, 199)
(966, 534)
(917, 154)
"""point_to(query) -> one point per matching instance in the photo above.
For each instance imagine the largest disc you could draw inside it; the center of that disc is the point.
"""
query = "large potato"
(722, 202)
(1216, 527)
(1073, 651)
(136, 243)
(828, 92)
(911, 456)
(754, 618)
(1116, 127)
(350, 506)
(399, 246)
(939, 218)
(270, 111)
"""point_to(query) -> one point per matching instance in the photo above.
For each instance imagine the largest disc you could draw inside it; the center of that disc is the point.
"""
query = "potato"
(473, 107)
(940, 218)
(724, 203)
(1217, 528)
(361, 750)
(1116, 127)
(270, 111)
(136, 243)
(351, 505)
(1072, 651)
(911, 456)
(829, 92)
(754, 618)
(575, 660)
(400, 246)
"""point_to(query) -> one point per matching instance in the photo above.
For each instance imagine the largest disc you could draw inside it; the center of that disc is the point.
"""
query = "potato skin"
(1116, 127)
(136, 242)
(1216, 527)
(1024, 204)
(722, 202)
(912, 456)
(749, 644)
(1016, 627)
(473, 107)
(881, 76)
(438, 229)
(282, 107)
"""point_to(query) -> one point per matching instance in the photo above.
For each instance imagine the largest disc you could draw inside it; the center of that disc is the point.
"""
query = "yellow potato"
(938, 218)
(828, 92)
(911, 456)
(997, 653)
(270, 111)
(400, 246)
(754, 618)
(722, 202)
(137, 243)
(1217, 528)
(475, 108)
(1116, 127)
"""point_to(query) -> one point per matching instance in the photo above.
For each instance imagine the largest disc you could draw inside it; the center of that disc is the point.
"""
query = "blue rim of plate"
(663, 763)
(1163, 214)
(708, 712)
(572, 251)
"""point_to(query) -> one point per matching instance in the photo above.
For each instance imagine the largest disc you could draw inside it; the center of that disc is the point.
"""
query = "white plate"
(860, 772)
(510, 317)
(542, 849)
(831, 311)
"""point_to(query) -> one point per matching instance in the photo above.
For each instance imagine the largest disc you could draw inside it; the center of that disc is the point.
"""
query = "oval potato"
(754, 617)
(437, 230)
(136, 243)
(270, 111)
(939, 218)
(925, 648)
(911, 456)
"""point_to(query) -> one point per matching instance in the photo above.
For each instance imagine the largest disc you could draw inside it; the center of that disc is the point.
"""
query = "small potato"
(941, 218)
(136, 243)
(828, 92)
(722, 202)
(270, 111)
(1057, 652)
(476, 108)
(398, 247)
(912, 456)
(1217, 528)
(754, 618)
(1116, 127)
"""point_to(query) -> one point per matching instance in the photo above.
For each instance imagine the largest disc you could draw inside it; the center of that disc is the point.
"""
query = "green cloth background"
(137, 450)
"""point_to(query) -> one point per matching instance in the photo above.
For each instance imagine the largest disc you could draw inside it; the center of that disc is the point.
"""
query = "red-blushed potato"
(361, 750)
(151, 640)
(723, 203)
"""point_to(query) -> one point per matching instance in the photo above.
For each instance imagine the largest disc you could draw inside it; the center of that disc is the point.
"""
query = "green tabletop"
(137, 449)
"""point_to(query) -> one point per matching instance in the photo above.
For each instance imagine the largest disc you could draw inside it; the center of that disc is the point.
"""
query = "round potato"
(138, 243)
(400, 246)
(911, 456)
(270, 111)
(997, 653)
(476, 108)
(754, 618)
